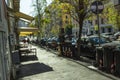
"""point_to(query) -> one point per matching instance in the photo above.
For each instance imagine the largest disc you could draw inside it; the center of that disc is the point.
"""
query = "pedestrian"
(28, 40)
(24, 41)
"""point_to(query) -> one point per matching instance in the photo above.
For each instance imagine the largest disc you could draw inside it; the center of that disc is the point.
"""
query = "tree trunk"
(81, 18)
(79, 37)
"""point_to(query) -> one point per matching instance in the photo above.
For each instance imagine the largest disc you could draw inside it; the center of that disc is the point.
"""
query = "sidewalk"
(48, 66)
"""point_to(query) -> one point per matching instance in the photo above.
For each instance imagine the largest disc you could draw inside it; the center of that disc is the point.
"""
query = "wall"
(5, 59)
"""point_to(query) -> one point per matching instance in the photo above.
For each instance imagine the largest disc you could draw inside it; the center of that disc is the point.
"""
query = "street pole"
(97, 8)
(38, 18)
(98, 24)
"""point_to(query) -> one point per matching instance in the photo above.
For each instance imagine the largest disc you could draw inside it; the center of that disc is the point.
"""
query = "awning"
(20, 14)
(24, 31)
(27, 29)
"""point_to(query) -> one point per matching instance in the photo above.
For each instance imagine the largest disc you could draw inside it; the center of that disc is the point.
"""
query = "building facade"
(90, 26)
(5, 56)
(117, 4)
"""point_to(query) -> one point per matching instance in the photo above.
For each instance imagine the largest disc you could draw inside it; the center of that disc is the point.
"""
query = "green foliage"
(39, 9)
(32, 25)
(69, 26)
(40, 5)
(112, 15)
(55, 30)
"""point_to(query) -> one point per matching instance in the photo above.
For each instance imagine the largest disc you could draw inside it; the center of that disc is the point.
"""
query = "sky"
(27, 8)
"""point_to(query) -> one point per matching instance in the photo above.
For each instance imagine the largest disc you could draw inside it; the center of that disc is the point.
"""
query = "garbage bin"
(99, 57)
(15, 57)
(68, 49)
(74, 51)
(108, 57)
(117, 61)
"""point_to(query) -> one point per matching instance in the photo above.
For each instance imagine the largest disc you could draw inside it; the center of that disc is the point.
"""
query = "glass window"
(103, 30)
(95, 40)
(109, 29)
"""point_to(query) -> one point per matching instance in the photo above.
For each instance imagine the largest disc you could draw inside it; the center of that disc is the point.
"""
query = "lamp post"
(38, 18)
(98, 23)
(97, 8)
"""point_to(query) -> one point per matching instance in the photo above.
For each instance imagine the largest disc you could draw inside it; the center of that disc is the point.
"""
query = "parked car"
(89, 44)
(43, 42)
(74, 41)
(116, 35)
(52, 43)
(108, 36)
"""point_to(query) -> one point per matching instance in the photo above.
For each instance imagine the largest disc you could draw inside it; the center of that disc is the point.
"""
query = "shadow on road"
(28, 58)
(34, 68)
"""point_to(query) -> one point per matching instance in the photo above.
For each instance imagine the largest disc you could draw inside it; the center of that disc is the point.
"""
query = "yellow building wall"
(66, 20)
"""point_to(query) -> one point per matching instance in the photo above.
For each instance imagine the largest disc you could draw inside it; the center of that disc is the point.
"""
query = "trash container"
(15, 57)
(117, 61)
(74, 51)
(108, 57)
(68, 49)
(99, 57)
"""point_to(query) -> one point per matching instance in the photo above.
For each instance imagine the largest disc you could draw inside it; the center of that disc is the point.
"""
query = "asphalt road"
(48, 66)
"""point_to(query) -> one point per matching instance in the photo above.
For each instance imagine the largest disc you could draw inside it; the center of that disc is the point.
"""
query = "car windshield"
(96, 40)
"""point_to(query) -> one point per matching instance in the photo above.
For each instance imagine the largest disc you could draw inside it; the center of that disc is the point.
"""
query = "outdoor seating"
(27, 51)
(33, 50)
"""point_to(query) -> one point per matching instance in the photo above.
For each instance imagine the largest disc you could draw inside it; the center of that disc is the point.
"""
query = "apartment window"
(90, 22)
(109, 29)
(66, 16)
(66, 22)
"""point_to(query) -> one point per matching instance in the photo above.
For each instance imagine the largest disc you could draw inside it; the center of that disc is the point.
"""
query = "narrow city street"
(59, 39)
(48, 66)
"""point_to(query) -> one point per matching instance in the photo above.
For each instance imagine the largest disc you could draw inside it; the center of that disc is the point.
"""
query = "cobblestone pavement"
(48, 66)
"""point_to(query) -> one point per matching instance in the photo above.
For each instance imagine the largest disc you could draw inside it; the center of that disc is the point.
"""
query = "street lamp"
(97, 8)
